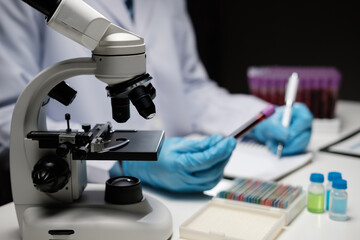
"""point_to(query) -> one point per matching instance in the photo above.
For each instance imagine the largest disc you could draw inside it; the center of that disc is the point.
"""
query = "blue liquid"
(327, 199)
(338, 209)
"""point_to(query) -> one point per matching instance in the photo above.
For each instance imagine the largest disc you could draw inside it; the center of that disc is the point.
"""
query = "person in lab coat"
(187, 100)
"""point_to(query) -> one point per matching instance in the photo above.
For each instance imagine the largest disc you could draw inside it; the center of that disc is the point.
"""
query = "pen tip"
(279, 151)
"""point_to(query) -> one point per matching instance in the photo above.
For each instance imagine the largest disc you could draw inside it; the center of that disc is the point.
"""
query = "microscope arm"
(29, 103)
(29, 115)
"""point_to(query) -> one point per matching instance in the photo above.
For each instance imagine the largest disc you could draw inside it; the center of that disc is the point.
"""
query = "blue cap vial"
(339, 184)
(317, 177)
(334, 175)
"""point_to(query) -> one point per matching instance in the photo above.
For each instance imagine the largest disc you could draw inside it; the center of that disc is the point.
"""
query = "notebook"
(253, 160)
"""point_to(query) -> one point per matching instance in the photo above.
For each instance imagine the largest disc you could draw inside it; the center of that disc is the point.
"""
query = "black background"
(233, 35)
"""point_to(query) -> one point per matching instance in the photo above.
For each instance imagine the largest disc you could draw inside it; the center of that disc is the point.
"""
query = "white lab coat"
(187, 101)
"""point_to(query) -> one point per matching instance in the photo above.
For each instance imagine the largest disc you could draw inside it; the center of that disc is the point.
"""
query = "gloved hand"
(185, 165)
(295, 138)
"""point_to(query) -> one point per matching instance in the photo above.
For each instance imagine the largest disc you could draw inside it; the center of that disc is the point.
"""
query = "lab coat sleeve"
(21, 58)
(213, 109)
(21, 54)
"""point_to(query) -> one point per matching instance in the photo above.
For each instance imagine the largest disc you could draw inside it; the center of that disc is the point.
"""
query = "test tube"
(315, 97)
(324, 93)
(333, 89)
(307, 92)
(300, 91)
(254, 86)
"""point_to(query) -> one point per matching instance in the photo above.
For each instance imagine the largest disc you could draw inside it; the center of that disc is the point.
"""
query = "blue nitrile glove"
(295, 138)
(185, 165)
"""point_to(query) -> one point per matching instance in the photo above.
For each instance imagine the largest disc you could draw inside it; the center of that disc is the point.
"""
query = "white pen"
(290, 96)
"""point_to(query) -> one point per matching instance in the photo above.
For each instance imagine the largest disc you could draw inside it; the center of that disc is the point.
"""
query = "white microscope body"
(66, 210)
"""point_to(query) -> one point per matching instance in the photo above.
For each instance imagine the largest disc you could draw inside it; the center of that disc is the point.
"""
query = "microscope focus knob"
(62, 150)
(50, 174)
(86, 127)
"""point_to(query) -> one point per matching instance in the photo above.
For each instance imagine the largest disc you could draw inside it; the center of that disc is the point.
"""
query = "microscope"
(48, 168)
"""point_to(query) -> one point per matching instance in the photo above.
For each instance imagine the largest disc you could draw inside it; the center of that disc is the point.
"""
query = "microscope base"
(88, 220)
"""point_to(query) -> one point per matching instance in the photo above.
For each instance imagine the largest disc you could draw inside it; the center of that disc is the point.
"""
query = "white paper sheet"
(253, 160)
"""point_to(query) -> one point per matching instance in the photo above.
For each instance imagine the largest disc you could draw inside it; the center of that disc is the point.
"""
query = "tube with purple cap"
(265, 113)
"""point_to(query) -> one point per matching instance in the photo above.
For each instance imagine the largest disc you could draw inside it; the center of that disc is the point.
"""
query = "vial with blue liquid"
(338, 200)
(331, 177)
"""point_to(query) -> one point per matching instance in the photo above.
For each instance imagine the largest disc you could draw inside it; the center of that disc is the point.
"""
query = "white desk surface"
(305, 226)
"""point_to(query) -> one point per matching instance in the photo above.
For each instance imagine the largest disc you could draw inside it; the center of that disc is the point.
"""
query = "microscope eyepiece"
(46, 7)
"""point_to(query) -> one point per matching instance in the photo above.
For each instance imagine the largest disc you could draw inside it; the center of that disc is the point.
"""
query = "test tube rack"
(318, 86)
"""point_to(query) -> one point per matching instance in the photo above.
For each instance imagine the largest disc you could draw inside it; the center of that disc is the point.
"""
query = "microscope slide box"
(233, 220)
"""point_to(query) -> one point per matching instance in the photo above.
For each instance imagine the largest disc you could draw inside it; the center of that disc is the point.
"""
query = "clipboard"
(348, 145)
